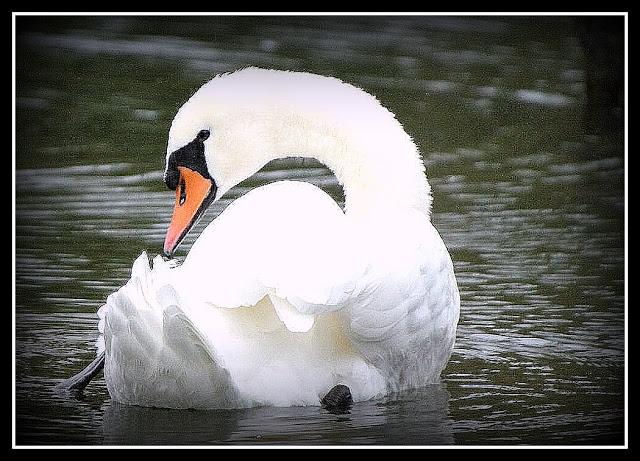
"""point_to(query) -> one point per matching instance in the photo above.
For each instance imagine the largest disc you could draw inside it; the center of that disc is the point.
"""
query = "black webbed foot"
(78, 382)
(338, 399)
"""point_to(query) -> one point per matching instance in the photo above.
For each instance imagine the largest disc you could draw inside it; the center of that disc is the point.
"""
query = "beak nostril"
(183, 192)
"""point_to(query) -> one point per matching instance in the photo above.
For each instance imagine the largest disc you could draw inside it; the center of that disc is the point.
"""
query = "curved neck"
(259, 115)
(373, 158)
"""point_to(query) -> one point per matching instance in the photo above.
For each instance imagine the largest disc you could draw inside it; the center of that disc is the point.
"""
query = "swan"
(284, 295)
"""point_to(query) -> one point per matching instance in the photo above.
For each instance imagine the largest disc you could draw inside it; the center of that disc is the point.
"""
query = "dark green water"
(519, 121)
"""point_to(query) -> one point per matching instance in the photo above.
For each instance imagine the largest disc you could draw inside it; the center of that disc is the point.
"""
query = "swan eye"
(203, 135)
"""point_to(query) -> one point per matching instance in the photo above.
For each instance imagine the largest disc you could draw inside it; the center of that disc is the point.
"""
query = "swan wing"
(406, 322)
(287, 240)
(156, 356)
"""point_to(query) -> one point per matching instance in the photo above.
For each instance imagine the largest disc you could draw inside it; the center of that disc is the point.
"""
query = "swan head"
(187, 173)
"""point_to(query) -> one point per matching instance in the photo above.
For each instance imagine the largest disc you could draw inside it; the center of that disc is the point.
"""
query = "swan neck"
(379, 168)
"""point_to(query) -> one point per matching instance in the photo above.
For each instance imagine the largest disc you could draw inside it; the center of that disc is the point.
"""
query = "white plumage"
(284, 295)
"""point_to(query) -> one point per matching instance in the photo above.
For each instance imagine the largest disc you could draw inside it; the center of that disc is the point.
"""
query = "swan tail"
(154, 355)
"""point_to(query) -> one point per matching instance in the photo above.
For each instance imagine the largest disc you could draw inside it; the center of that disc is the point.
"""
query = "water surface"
(527, 170)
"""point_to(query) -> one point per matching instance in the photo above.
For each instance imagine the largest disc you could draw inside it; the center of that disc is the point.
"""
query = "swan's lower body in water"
(338, 399)
(384, 329)
(164, 354)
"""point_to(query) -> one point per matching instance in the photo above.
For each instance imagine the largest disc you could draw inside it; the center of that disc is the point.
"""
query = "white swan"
(284, 295)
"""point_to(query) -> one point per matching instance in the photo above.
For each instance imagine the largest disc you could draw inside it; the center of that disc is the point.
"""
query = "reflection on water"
(418, 415)
(527, 196)
(131, 425)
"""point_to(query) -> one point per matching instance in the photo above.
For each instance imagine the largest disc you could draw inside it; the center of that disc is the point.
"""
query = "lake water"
(524, 150)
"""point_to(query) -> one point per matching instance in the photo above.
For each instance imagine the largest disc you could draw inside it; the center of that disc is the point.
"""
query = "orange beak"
(193, 195)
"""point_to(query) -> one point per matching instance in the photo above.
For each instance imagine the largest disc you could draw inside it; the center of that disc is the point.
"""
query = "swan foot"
(338, 399)
(78, 382)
